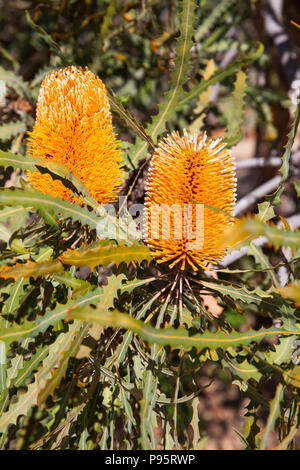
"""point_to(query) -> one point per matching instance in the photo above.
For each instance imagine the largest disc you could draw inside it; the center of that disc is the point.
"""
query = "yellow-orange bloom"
(192, 184)
(74, 127)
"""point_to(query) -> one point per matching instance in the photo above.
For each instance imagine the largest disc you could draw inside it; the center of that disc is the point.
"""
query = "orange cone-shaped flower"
(74, 127)
(190, 200)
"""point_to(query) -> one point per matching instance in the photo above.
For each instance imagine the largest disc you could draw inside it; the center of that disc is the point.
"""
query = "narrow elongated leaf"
(59, 171)
(167, 110)
(288, 439)
(217, 12)
(282, 352)
(257, 296)
(67, 346)
(107, 226)
(179, 77)
(263, 261)
(265, 211)
(32, 328)
(12, 213)
(129, 119)
(32, 397)
(274, 414)
(235, 118)
(56, 356)
(221, 74)
(287, 154)
(98, 254)
(149, 391)
(19, 375)
(292, 291)
(3, 373)
(245, 370)
(21, 407)
(104, 254)
(252, 227)
(31, 269)
(52, 205)
(14, 81)
(170, 336)
(56, 170)
(203, 99)
(78, 285)
(195, 424)
(48, 39)
(16, 292)
(11, 129)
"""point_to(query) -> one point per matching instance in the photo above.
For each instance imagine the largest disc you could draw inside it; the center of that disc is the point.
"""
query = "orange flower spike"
(74, 127)
(192, 181)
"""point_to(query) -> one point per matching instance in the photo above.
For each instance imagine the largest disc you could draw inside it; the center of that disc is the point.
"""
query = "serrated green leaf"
(21, 407)
(284, 170)
(16, 292)
(11, 220)
(3, 372)
(45, 202)
(31, 269)
(56, 355)
(262, 261)
(265, 211)
(203, 99)
(283, 351)
(244, 369)
(195, 424)
(59, 171)
(221, 74)
(31, 329)
(252, 227)
(217, 12)
(56, 170)
(18, 374)
(66, 346)
(48, 39)
(179, 77)
(35, 390)
(235, 119)
(274, 414)
(170, 336)
(50, 207)
(129, 120)
(292, 291)
(14, 81)
(288, 438)
(256, 296)
(104, 254)
(79, 287)
(11, 129)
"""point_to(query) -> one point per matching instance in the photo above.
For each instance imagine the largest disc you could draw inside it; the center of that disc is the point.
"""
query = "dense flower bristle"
(74, 127)
(190, 170)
